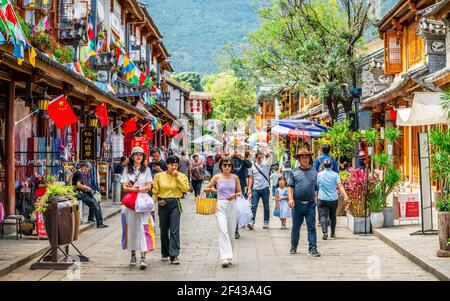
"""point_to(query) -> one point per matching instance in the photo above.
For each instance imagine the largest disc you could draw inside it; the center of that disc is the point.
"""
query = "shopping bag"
(206, 206)
(144, 203)
(129, 200)
(244, 211)
(276, 211)
(2, 212)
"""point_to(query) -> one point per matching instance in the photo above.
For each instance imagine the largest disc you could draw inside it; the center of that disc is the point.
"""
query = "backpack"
(210, 162)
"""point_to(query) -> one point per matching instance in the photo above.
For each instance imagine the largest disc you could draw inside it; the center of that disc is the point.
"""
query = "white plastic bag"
(244, 211)
(144, 203)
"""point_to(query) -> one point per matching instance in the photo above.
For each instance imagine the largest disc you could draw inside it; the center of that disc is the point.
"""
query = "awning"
(426, 109)
(284, 127)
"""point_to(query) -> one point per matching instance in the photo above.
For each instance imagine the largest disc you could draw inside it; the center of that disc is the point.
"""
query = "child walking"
(282, 201)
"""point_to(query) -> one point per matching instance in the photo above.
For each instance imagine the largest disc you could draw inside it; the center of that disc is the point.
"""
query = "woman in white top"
(137, 227)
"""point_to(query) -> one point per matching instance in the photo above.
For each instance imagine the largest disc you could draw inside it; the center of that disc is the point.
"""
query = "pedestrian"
(210, 163)
(228, 188)
(119, 168)
(344, 163)
(362, 155)
(163, 153)
(282, 201)
(85, 194)
(196, 173)
(240, 167)
(158, 164)
(184, 164)
(136, 234)
(328, 182)
(318, 164)
(168, 188)
(302, 184)
(274, 179)
(259, 187)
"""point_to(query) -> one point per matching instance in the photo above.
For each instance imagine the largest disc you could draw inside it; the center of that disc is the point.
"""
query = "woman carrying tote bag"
(137, 227)
(228, 188)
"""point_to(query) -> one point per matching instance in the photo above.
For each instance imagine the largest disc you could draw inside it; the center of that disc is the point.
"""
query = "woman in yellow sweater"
(168, 188)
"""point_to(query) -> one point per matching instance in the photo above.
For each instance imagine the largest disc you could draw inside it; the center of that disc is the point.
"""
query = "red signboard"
(40, 225)
(408, 206)
(142, 142)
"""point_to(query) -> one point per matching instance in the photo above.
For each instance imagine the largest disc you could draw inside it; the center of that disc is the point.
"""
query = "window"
(393, 52)
(415, 46)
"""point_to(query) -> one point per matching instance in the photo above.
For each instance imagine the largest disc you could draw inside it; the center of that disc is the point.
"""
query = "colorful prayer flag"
(32, 56)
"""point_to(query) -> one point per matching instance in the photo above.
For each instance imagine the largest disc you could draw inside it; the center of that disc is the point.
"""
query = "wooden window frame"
(391, 66)
(415, 46)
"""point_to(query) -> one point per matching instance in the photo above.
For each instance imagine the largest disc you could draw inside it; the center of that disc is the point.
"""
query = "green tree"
(190, 79)
(308, 44)
(234, 98)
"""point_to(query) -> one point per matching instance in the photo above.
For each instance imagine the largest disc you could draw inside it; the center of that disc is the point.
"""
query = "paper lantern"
(43, 104)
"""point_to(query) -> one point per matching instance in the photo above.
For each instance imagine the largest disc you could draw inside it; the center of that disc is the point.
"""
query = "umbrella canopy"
(259, 137)
(297, 128)
(206, 139)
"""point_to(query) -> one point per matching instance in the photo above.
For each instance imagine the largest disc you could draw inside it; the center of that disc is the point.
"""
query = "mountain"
(195, 31)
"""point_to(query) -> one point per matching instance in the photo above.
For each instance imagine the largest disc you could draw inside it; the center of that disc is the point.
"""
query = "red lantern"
(192, 110)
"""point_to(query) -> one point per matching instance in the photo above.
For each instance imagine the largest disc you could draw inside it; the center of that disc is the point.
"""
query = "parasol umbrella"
(207, 139)
(259, 137)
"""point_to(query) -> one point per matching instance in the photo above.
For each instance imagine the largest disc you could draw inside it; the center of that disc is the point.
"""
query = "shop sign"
(142, 142)
(408, 206)
(88, 145)
(40, 225)
(258, 121)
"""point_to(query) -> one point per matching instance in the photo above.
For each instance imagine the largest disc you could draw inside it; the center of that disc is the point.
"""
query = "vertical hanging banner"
(88, 144)
(259, 121)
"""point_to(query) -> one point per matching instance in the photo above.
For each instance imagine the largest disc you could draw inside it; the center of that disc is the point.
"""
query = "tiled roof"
(432, 9)
(427, 26)
(85, 81)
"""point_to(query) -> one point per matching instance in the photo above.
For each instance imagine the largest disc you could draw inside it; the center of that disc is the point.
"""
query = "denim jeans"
(327, 210)
(256, 195)
(299, 213)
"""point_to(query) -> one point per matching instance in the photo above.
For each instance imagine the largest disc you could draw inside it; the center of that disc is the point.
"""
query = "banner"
(142, 142)
(259, 121)
(88, 144)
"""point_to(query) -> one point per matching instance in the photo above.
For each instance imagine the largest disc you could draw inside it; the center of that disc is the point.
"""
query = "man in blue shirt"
(318, 164)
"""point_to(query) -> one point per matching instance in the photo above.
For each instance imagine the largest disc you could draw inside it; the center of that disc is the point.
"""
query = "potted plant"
(62, 199)
(440, 140)
(376, 208)
(357, 221)
(392, 135)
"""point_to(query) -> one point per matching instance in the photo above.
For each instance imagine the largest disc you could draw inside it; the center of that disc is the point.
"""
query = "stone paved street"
(259, 255)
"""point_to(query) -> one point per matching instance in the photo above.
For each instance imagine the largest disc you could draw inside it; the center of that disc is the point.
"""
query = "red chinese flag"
(130, 125)
(60, 112)
(148, 132)
(166, 129)
(102, 114)
(174, 132)
(153, 88)
(393, 114)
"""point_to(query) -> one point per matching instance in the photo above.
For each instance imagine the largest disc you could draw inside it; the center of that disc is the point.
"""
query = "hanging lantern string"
(26, 117)
(142, 128)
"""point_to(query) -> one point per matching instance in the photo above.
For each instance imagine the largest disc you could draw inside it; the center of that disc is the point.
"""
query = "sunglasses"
(227, 165)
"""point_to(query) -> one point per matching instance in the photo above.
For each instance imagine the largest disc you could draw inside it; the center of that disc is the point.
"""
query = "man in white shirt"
(259, 186)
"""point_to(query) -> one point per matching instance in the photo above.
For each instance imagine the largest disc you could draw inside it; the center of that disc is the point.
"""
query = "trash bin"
(117, 189)
(64, 218)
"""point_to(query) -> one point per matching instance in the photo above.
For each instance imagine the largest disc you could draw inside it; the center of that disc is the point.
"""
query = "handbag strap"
(259, 170)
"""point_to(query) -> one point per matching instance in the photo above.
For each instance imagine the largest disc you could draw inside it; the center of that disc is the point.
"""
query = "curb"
(421, 263)
(21, 262)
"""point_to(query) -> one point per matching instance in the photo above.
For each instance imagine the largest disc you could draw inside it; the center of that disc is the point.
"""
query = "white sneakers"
(225, 263)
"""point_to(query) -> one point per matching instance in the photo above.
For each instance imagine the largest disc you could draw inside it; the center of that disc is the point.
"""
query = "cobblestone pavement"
(259, 255)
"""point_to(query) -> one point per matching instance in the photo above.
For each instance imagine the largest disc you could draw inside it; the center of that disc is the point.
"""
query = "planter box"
(388, 217)
(356, 224)
(444, 234)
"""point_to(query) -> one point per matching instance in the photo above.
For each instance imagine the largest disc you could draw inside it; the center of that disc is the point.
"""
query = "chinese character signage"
(88, 144)
(259, 122)
(408, 206)
(142, 142)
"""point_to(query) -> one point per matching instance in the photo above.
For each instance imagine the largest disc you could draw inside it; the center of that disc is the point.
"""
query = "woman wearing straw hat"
(137, 228)
(228, 188)
(168, 189)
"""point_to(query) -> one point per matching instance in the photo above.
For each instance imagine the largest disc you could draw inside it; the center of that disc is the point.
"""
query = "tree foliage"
(191, 80)
(309, 44)
(234, 98)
